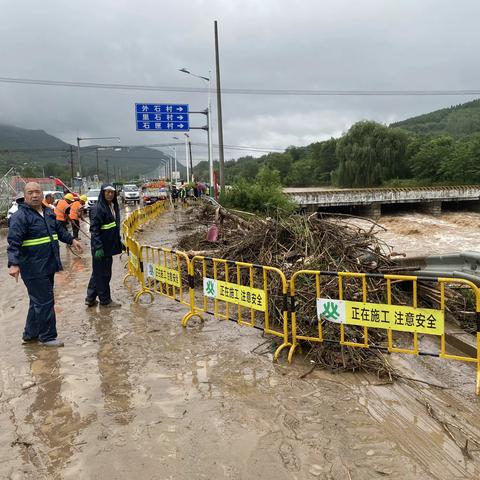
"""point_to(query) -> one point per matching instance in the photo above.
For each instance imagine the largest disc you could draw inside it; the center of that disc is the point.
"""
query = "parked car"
(92, 198)
(130, 193)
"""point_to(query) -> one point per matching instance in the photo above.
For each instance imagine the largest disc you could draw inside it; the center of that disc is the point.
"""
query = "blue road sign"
(163, 126)
(162, 116)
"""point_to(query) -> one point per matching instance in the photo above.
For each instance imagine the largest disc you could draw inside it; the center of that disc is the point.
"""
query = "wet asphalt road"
(133, 395)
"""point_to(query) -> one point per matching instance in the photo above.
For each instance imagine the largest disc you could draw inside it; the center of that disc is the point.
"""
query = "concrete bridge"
(369, 201)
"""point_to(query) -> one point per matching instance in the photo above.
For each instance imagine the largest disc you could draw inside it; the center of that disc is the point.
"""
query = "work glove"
(99, 254)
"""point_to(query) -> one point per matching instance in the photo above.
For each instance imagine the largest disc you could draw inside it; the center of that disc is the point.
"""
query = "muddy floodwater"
(133, 395)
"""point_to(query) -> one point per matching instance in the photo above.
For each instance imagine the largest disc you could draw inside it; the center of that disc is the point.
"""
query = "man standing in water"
(33, 253)
(105, 242)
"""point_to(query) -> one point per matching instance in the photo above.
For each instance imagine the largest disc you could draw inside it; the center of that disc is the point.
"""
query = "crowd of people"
(35, 231)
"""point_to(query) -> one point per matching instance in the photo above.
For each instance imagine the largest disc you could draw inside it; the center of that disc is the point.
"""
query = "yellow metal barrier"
(135, 264)
(359, 314)
(257, 296)
(248, 293)
(166, 272)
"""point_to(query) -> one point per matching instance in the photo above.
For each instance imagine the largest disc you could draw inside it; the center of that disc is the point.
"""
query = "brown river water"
(134, 395)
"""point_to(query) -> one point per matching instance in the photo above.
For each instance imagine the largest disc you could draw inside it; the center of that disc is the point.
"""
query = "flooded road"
(133, 395)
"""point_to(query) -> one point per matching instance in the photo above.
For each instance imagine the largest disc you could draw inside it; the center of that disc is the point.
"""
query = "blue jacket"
(104, 227)
(33, 242)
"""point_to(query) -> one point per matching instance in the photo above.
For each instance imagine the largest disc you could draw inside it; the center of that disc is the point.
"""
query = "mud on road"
(133, 395)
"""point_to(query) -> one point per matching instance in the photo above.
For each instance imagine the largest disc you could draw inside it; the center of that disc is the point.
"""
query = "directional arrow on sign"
(179, 117)
(180, 125)
(179, 109)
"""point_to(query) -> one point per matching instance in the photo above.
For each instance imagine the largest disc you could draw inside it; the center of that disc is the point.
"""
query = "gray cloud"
(370, 44)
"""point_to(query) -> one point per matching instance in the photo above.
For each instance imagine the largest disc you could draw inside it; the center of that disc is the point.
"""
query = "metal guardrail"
(464, 265)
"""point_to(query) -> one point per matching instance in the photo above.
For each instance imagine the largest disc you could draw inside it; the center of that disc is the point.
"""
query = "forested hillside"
(442, 147)
(459, 120)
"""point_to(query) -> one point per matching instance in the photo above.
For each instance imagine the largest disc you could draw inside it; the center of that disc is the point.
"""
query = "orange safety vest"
(75, 210)
(61, 210)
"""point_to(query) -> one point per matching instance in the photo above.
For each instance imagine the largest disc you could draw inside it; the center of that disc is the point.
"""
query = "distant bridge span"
(370, 200)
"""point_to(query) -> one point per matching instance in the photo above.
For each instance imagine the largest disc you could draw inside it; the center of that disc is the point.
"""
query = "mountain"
(21, 138)
(37, 153)
(458, 120)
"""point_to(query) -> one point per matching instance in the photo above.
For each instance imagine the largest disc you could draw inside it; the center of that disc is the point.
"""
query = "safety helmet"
(84, 198)
(69, 196)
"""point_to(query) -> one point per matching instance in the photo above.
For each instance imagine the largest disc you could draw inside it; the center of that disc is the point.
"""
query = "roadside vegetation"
(437, 148)
(262, 195)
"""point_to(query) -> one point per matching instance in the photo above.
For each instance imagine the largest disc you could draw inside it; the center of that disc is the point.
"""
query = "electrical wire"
(240, 91)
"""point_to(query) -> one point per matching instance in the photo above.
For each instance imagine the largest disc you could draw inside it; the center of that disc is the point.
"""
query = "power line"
(241, 91)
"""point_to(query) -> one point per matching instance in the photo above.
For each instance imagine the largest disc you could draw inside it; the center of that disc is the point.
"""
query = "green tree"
(369, 154)
(426, 164)
(462, 164)
(264, 195)
(324, 160)
(282, 162)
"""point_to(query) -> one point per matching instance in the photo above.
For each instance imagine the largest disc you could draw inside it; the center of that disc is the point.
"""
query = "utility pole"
(71, 166)
(78, 157)
(219, 114)
(106, 163)
(96, 149)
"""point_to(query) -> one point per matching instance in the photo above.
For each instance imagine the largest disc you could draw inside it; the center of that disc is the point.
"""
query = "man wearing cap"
(62, 209)
(76, 214)
(34, 254)
(105, 242)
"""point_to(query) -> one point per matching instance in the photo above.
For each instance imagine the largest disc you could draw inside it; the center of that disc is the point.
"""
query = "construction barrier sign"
(377, 315)
(164, 274)
(233, 293)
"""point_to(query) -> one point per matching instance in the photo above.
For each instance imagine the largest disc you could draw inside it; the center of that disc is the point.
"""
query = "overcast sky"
(307, 45)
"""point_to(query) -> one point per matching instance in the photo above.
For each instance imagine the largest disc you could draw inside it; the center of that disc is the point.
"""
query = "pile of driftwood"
(316, 242)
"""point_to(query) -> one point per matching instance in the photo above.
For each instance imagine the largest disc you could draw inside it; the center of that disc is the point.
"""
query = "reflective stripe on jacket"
(32, 242)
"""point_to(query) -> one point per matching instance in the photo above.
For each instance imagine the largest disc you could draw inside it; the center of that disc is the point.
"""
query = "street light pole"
(79, 139)
(209, 123)
(219, 113)
(187, 157)
(174, 165)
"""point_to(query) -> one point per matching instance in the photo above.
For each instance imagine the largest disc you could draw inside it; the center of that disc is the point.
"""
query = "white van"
(130, 193)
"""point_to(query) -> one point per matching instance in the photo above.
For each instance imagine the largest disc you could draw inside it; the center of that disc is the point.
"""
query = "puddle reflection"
(55, 423)
(114, 368)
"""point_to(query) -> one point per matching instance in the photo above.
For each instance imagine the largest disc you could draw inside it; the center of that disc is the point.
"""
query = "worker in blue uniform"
(33, 253)
(105, 243)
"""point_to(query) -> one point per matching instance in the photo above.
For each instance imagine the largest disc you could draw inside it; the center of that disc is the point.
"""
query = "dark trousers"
(75, 228)
(41, 322)
(99, 284)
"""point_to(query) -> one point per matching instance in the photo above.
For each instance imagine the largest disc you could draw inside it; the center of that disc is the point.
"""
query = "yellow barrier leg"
(188, 316)
(128, 275)
(279, 350)
(140, 293)
(291, 352)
